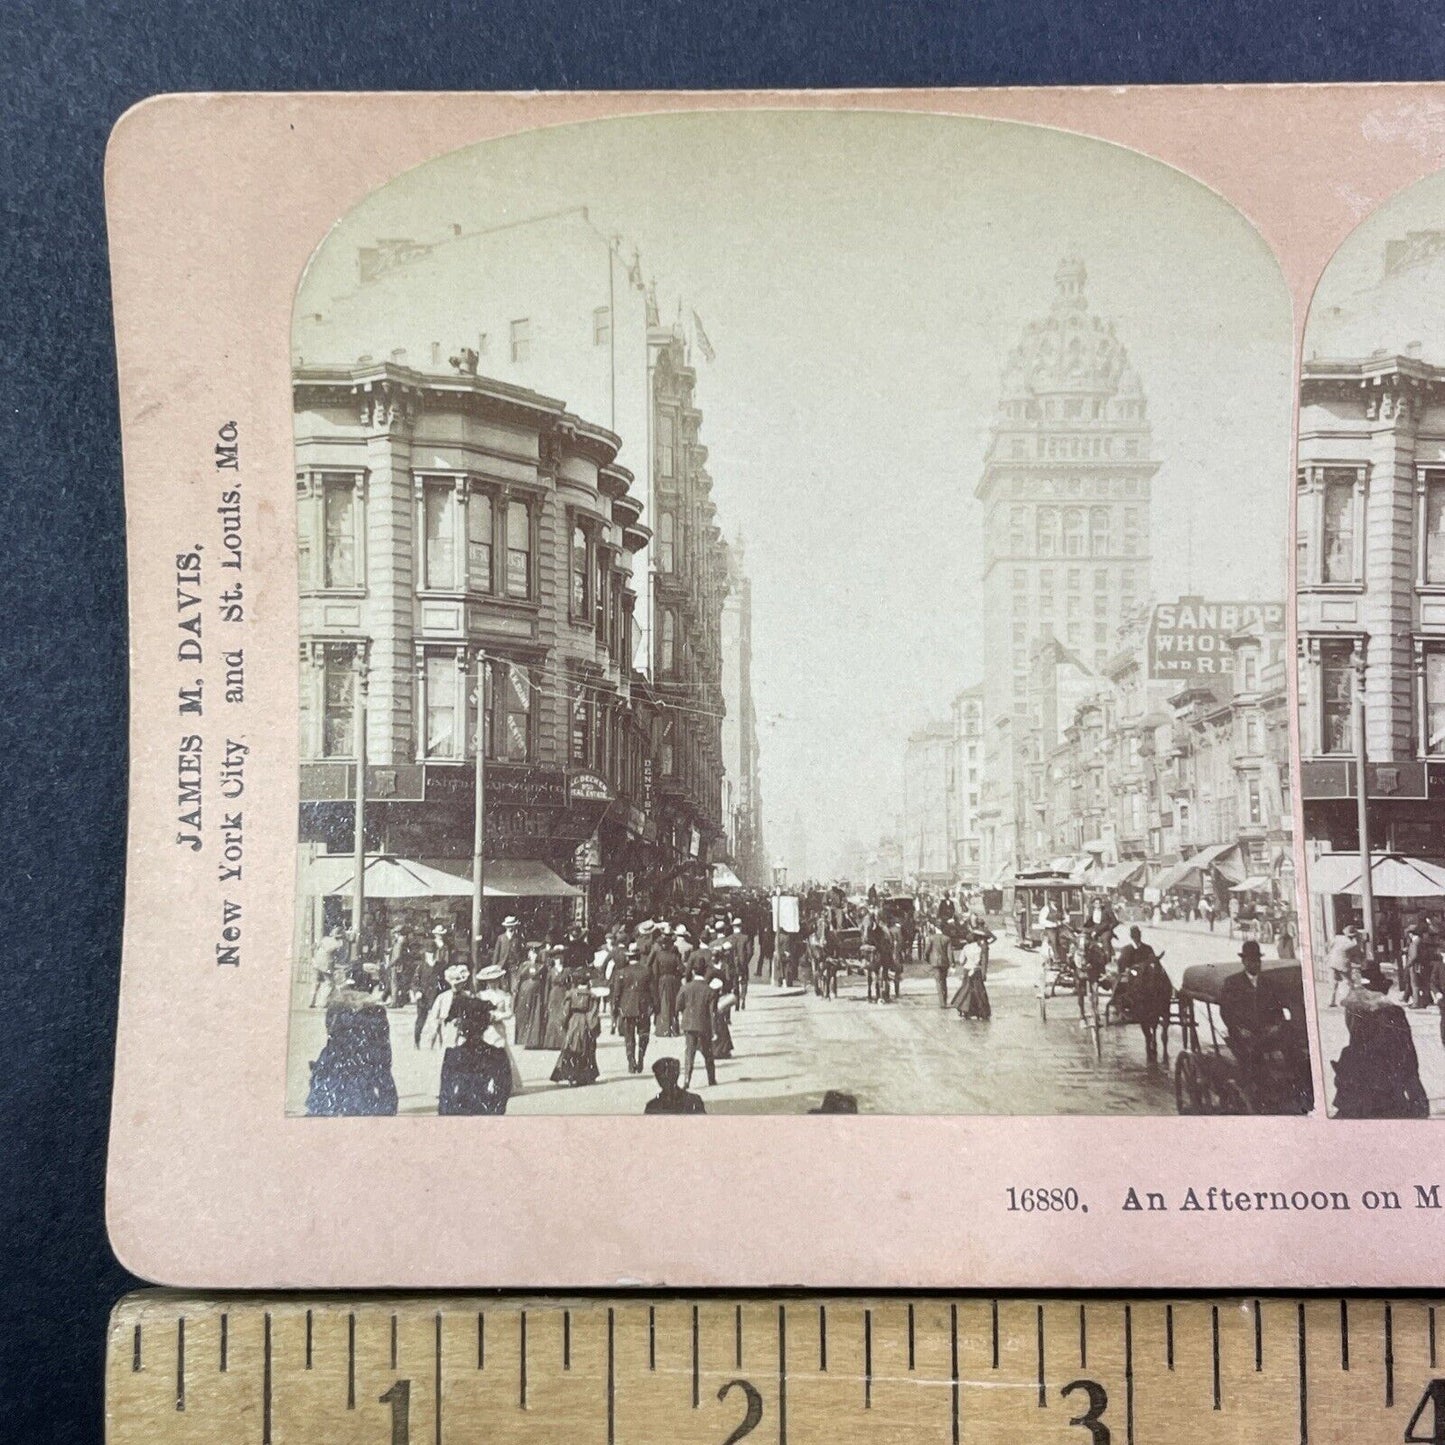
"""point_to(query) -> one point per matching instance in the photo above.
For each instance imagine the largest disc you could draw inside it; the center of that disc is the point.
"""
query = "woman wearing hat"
(434, 1032)
(530, 1000)
(577, 1063)
(352, 1074)
(555, 1013)
(491, 983)
(476, 1076)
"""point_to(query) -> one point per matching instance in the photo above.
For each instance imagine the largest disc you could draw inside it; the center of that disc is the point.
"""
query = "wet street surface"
(905, 1057)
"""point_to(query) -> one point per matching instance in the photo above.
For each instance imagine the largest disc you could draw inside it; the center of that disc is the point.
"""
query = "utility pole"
(479, 811)
(1362, 795)
(358, 892)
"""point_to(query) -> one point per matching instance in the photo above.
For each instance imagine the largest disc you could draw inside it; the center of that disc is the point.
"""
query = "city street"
(909, 1057)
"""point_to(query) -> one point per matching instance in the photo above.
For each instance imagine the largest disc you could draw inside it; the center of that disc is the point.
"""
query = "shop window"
(1253, 800)
(1433, 551)
(579, 573)
(580, 750)
(479, 542)
(516, 690)
(338, 700)
(1337, 526)
(341, 511)
(1336, 679)
(439, 569)
(519, 550)
(1099, 531)
(443, 683)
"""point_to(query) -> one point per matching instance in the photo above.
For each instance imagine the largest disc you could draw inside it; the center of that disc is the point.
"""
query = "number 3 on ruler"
(753, 1418)
(1092, 1418)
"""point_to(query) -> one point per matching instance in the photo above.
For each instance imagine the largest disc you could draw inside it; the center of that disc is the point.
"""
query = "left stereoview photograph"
(800, 634)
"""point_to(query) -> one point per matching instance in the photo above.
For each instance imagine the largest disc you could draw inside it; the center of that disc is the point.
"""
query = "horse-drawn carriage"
(1231, 1072)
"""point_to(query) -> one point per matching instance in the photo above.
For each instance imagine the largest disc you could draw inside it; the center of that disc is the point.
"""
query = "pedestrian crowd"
(652, 979)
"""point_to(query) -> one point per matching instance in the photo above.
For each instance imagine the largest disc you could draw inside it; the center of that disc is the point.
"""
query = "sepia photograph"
(793, 620)
(1371, 600)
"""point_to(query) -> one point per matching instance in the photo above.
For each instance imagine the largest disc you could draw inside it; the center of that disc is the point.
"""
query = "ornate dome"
(1070, 349)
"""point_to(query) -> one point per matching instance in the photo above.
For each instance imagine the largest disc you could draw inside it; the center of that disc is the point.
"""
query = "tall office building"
(1065, 489)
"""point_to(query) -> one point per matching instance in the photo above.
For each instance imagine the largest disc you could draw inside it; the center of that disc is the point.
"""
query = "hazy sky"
(1351, 313)
(862, 278)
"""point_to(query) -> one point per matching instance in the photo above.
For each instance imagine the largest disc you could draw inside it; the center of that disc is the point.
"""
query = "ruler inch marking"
(823, 1338)
(611, 1379)
(1043, 1389)
(308, 1339)
(437, 1378)
(993, 1310)
(1304, 1388)
(953, 1360)
(481, 1340)
(1169, 1336)
(225, 1341)
(135, 1350)
(696, 1396)
(782, 1375)
(566, 1339)
(652, 1337)
(522, 1361)
(1258, 1338)
(1389, 1357)
(738, 1332)
(351, 1360)
(1083, 1340)
(181, 1363)
(911, 1355)
(1344, 1334)
(867, 1359)
(393, 1342)
(266, 1379)
(1128, 1375)
(1214, 1351)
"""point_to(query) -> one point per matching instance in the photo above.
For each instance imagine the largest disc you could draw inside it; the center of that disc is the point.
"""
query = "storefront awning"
(1116, 875)
(388, 877)
(1391, 876)
(1215, 856)
(1253, 885)
(384, 877)
(724, 877)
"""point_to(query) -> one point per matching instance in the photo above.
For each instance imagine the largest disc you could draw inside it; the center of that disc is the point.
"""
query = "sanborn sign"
(1191, 636)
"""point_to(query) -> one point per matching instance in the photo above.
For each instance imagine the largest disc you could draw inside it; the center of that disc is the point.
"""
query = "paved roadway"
(909, 1057)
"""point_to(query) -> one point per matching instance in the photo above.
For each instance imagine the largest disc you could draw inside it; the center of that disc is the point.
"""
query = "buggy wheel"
(1191, 1092)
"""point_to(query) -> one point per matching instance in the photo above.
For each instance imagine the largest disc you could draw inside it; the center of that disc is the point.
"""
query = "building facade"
(462, 538)
(1066, 495)
(926, 829)
(556, 304)
(966, 783)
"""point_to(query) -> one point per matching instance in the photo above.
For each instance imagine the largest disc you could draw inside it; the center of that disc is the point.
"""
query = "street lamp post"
(479, 812)
(1362, 796)
(358, 892)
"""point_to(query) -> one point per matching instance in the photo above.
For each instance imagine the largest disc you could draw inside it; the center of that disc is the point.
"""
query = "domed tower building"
(1065, 490)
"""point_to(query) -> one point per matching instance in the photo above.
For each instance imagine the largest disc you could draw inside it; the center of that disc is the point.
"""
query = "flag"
(704, 345)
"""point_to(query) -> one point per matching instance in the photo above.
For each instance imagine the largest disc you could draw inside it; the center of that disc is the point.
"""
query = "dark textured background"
(67, 71)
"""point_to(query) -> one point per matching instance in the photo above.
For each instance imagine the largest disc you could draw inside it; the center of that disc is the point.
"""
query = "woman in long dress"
(577, 1063)
(501, 1002)
(530, 1001)
(555, 1022)
(352, 1074)
(476, 1077)
(722, 1034)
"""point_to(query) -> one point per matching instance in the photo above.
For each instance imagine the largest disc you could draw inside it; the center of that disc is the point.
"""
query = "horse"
(1144, 995)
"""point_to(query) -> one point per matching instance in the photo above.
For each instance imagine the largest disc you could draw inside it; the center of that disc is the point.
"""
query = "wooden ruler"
(456, 1370)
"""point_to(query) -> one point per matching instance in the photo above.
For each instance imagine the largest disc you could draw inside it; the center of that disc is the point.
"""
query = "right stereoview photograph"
(1370, 578)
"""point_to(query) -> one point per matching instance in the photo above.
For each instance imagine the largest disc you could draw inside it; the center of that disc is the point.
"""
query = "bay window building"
(466, 569)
